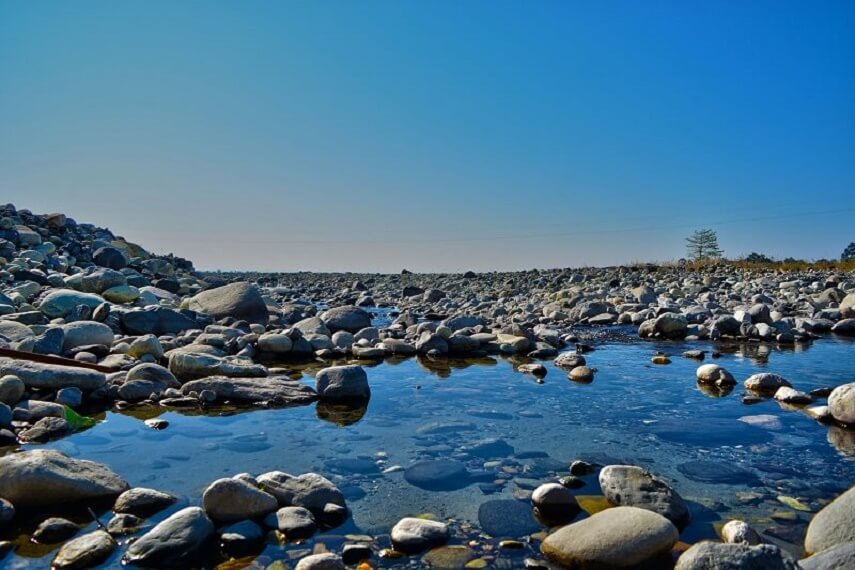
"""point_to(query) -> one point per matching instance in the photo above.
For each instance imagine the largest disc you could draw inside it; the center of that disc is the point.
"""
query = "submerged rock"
(507, 518)
(437, 475)
(633, 486)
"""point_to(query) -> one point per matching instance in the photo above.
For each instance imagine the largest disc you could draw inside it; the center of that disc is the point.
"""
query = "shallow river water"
(726, 458)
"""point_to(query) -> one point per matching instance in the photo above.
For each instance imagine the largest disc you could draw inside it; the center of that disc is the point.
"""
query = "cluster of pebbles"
(90, 321)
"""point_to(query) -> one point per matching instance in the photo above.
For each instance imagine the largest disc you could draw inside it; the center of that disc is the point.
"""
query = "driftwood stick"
(49, 359)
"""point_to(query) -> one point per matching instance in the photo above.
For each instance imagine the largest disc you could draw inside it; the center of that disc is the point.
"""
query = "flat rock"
(52, 376)
(47, 477)
(279, 389)
(719, 556)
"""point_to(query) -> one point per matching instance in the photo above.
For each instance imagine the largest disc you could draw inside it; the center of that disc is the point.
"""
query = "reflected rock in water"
(842, 439)
(341, 414)
(442, 367)
(713, 390)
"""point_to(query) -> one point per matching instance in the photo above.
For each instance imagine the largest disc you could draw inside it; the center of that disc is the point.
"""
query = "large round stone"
(175, 542)
(240, 300)
(621, 537)
(841, 403)
(342, 383)
(348, 318)
(231, 500)
(833, 525)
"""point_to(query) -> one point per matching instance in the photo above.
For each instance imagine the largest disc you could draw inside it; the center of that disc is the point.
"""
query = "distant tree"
(758, 258)
(703, 244)
(848, 253)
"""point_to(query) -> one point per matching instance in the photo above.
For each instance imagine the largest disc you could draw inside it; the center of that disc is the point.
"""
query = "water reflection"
(484, 436)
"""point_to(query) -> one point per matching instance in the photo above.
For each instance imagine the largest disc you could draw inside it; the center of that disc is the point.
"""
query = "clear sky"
(432, 135)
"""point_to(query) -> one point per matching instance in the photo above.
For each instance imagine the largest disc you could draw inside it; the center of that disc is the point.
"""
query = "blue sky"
(434, 135)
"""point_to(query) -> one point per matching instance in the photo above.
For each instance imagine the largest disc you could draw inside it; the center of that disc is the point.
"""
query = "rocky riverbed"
(590, 419)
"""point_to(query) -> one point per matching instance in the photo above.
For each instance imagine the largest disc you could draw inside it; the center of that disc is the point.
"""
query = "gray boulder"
(309, 490)
(83, 333)
(414, 535)
(47, 477)
(839, 557)
(347, 318)
(281, 390)
(720, 556)
(240, 300)
(155, 320)
(190, 366)
(11, 389)
(232, 500)
(174, 543)
(52, 376)
(765, 383)
(61, 302)
(294, 522)
(142, 501)
(84, 551)
(342, 383)
(833, 525)
(633, 486)
(841, 403)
